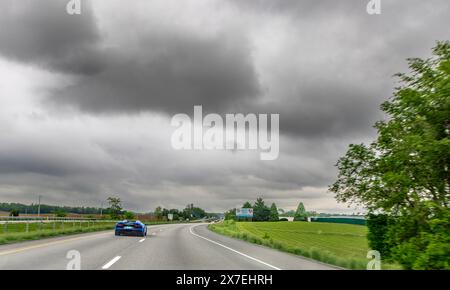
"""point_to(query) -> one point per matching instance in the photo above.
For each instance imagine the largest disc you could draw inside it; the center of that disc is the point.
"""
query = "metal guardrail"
(25, 219)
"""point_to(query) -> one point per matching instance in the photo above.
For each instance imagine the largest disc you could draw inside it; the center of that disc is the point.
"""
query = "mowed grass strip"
(342, 240)
(337, 244)
(16, 232)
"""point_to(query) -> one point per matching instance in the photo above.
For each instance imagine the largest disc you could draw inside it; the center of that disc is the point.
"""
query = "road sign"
(244, 212)
(170, 216)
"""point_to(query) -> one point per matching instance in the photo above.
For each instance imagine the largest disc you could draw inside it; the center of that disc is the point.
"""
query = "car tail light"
(137, 226)
(120, 225)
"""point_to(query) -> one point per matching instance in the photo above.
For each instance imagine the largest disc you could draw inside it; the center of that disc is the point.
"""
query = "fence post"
(5, 227)
(27, 229)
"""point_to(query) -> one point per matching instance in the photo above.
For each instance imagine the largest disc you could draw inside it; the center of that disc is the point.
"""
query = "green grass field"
(337, 244)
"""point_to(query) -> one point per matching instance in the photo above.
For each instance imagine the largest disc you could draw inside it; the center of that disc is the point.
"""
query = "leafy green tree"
(197, 213)
(165, 212)
(187, 211)
(14, 213)
(290, 213)
(193, 212)
(128, 215)
(60, 214)
(231, 214)
(158, 212)
(300, 213)
(260, 211)
(378, 225)
(176, 214)
(274, 213)
(405, 173)
(115, 207)
(247, 205)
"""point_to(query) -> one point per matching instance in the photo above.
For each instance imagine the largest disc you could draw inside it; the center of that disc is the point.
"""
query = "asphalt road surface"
(172, 247)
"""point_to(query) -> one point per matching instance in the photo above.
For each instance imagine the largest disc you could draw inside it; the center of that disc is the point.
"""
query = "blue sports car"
(131, 228)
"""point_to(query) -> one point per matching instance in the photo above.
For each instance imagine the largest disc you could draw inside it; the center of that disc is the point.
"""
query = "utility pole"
(39, 206)
(101, 210)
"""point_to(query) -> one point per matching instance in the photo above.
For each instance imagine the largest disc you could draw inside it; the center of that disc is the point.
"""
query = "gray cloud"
(41, 32)
(337, 65)
(170, 72)
(324, 66)
(162, 70)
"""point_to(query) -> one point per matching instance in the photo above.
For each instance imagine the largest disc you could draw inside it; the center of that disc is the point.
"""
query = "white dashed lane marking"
(110, 263)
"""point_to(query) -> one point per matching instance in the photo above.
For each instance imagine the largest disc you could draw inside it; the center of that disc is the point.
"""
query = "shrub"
(60, 214)
(378, 234)
(128, 215)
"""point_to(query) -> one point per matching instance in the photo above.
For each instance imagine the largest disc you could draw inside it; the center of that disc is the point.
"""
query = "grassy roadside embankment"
(16, 232)
(342, 245)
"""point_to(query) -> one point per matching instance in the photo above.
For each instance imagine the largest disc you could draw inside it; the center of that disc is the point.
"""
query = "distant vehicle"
(130, 228)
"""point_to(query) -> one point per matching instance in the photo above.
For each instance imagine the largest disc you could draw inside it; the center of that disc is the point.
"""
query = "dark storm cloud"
(304, 8)
(52, 156)
(335, 110)
(42, 33)
(163, 70)
(169, 72)
(343, 60)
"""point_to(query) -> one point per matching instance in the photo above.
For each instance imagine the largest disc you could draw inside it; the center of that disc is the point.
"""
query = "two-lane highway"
(175, 246)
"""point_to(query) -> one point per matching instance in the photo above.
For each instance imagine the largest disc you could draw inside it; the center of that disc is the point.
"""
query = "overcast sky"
(86, 100)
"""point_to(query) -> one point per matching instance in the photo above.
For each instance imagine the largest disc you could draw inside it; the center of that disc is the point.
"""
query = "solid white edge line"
(233, 250)
(140, 241)
(110, 263)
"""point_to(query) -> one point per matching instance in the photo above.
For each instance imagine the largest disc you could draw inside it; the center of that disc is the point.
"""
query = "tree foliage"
(190, 212)
(47, 209)
(260, 211)
(129, 215)
(274, 213)
(60, 213)
(231, 214)
(115, 207)
(404, 173)
(300, 213)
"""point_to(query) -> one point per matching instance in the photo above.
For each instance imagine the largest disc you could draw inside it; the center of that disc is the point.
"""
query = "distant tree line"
(19, 208)
(113, 211)
(190, 212)
(262, 212)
